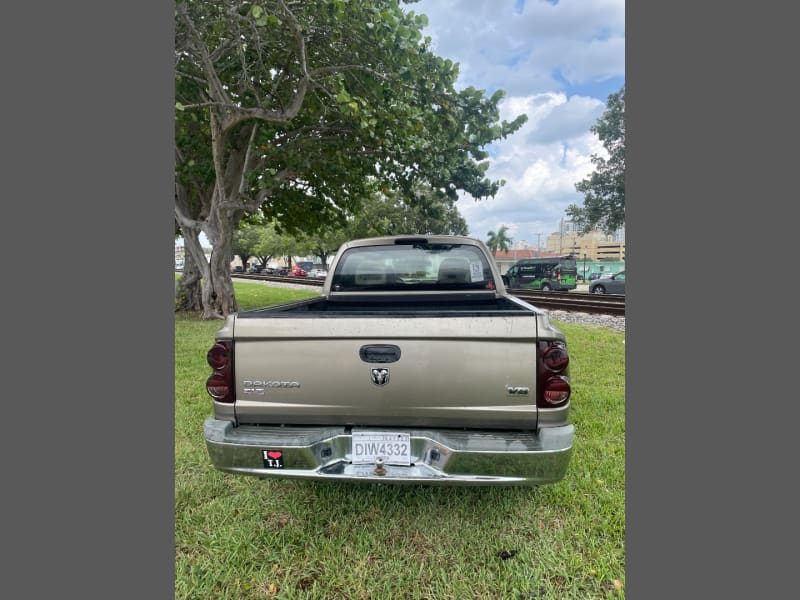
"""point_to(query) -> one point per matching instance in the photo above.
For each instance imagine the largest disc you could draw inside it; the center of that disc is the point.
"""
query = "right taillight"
(220, 384)
(555, 357)
(553, 389)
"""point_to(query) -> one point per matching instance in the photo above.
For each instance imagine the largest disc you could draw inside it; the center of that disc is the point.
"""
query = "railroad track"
(608, 304)
(600, 304)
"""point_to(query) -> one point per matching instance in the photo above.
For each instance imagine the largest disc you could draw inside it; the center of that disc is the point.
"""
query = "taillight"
(219, 355)
(556, 390)
(553, 389)
(220, 384)
(555, 356)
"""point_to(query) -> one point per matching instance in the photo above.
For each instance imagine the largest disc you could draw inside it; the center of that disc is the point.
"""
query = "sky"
(557, 61)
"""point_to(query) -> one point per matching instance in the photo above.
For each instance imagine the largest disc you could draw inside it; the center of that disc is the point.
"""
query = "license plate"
(391, 447)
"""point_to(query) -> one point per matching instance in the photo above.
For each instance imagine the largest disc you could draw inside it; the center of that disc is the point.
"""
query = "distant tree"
(325, 242)
(270, 243)
(604, 190)
(391, 213)
(500, 240)
(246, 240)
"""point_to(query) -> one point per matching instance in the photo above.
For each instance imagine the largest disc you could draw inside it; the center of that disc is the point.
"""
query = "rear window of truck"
(417, 266)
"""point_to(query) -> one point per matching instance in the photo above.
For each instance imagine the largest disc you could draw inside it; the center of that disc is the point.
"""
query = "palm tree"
(498, 241)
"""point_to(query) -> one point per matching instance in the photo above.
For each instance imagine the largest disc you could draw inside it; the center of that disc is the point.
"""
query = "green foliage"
(240, 537)
(245, 241)
(390, 213)
(323, 242)
(500, 240)
(604, 190)
(380, 110)
(262, 239)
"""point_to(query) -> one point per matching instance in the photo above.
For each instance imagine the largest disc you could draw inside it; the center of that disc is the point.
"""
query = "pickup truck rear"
(413, 366)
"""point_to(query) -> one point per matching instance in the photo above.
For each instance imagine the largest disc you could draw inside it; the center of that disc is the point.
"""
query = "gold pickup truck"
(413, 366)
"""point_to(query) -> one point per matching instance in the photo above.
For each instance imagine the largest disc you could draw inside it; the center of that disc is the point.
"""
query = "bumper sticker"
(273, 459)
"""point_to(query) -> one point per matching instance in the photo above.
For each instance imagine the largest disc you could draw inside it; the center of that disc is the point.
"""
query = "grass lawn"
(241, 537)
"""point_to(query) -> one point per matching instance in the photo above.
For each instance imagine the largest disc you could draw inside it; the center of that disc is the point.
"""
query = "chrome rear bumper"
(437, 456)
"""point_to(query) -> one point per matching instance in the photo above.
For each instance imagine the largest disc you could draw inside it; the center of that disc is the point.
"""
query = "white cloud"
(536, 56)
(582, 40)
(541, 164)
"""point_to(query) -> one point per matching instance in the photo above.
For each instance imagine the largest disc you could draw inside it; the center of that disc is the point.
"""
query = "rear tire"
(599, 290)
(546, 287)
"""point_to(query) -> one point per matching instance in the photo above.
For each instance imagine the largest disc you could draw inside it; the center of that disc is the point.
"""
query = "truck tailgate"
(388, 371)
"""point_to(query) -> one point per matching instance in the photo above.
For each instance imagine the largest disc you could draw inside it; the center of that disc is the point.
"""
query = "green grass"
(241, 537)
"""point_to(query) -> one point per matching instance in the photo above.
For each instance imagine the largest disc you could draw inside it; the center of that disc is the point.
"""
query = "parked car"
(237, 269)
(318, 273)
(593, 276)
(271, 269)
(615, 284)
(306, 265)
(296, 272)
(255, 269)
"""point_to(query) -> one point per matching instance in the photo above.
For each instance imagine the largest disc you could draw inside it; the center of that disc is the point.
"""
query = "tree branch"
(215, 85)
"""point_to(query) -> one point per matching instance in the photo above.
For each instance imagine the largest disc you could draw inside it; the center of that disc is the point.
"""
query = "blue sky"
(557, 61)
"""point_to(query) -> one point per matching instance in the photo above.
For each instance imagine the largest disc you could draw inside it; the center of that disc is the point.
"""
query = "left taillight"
(553, 389)
(220, 384)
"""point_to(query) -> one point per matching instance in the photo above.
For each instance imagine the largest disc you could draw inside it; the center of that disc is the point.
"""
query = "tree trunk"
(188, 289)
(220, 268)
(217, 216)
(193, 248)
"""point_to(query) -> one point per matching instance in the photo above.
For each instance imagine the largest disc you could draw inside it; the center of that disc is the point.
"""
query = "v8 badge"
(273, 459)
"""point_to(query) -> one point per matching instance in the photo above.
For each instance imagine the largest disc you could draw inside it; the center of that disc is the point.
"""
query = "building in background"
(595, 245)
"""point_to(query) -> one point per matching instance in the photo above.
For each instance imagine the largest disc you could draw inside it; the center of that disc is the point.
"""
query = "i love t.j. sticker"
(273, 459)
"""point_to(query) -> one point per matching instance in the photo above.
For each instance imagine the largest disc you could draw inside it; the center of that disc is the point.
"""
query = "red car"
(296, 272)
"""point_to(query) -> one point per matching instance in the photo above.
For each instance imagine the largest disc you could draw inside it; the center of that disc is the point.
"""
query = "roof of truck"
(422, 238)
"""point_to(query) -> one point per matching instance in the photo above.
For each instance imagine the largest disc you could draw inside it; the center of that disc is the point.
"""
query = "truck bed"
(428, 306)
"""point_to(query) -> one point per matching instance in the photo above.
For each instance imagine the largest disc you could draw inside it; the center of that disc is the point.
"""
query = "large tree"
(301, 110)
(604, 190)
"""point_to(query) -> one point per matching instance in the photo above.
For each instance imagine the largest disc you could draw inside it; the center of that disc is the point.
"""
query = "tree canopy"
(299, 111)
(604, 190)
(379, 215)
